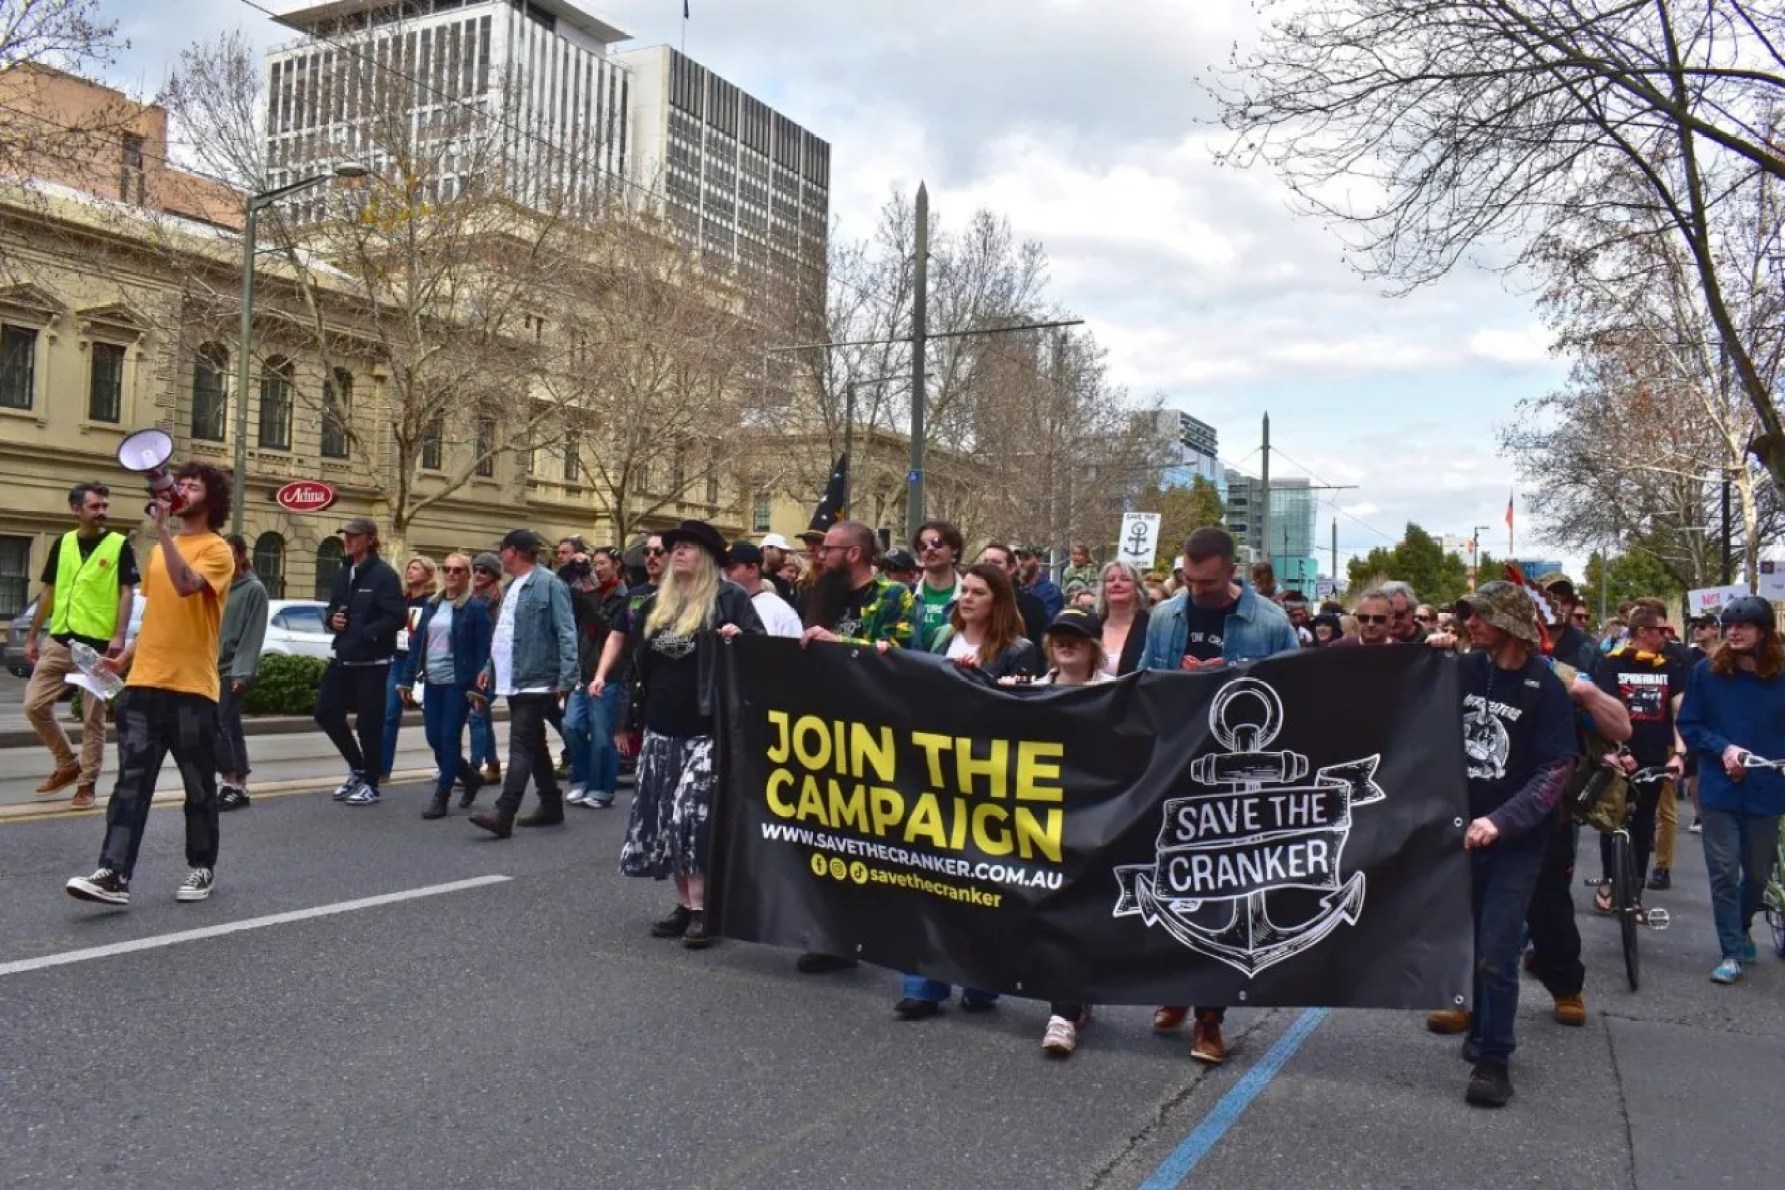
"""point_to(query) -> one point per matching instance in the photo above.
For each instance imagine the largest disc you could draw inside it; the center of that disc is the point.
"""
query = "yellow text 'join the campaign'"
(1001, 796)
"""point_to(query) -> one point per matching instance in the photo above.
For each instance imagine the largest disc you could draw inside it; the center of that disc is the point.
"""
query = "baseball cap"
(1076, 621)
(744, 554)
(898, 560)
(359, 524)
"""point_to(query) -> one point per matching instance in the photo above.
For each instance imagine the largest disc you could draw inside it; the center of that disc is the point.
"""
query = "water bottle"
(102, 682)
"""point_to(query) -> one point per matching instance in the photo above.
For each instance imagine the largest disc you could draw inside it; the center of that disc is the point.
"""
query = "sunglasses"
(931, 543)
(454, 570)
(1425, 619)
(1363, 619)
(1580, 617)
(655, 551)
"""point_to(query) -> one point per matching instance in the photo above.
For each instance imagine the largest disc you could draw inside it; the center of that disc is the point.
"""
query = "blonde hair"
(428, 568)
(684, 605)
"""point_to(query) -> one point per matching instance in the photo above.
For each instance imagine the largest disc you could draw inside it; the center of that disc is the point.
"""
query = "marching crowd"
(625, 671)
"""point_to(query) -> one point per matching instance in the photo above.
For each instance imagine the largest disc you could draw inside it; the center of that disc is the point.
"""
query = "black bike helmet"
(1749, 609)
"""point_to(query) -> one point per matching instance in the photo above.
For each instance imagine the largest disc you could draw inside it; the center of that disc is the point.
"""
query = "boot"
(497, 823)
(548, 814)
(473, 783)
(1447, 1020)
(437, 807)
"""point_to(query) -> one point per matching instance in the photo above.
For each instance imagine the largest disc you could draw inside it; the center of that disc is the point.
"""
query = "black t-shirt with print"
(672, 697)
(1514, 723)
(1205, 630)
(1646, 683)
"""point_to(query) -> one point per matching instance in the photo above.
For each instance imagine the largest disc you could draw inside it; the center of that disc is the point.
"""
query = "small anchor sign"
(1255, 825)
(1137, 536)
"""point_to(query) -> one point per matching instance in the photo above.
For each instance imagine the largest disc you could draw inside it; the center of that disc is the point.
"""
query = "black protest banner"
(1284, 833)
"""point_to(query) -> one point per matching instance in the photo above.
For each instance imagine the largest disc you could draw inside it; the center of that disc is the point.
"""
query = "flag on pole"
(831, 508)
(1511, 552)
(1509, 511)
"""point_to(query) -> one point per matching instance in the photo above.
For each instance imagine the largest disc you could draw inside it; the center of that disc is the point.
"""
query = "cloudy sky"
(1080, 120)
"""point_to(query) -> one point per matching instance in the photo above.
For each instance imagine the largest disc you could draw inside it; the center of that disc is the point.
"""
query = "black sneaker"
(232, 797)
(1660, 880)
(820, 964)
(197, 886)
(697, 936)
(675, 925)
(913, 1009)
(1471, 1050)
(1489, 1085)
(104, 886)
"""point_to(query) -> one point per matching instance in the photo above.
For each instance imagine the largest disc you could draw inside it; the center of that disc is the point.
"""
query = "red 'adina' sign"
(305, 495)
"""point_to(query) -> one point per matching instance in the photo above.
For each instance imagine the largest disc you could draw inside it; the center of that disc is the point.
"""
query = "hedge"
(285, 686)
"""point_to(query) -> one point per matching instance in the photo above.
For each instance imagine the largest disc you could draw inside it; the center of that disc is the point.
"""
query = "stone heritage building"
(119, 309)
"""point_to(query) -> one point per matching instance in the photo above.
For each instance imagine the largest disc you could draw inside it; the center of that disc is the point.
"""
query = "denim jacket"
(544, 635)
(471, 631)
(1257, 628)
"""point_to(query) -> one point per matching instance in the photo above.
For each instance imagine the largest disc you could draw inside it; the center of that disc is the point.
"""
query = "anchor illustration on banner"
(1257, 825)
(1137, 537)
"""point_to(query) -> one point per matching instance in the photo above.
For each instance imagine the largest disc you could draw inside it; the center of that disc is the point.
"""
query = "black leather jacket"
(733, 607)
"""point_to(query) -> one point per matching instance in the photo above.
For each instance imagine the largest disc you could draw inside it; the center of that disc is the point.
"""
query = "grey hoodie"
(244, 629)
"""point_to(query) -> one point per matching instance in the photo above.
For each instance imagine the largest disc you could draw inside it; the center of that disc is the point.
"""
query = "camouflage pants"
(152, 723)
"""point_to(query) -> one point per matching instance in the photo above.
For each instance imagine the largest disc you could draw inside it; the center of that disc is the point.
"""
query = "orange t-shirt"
(176, 648)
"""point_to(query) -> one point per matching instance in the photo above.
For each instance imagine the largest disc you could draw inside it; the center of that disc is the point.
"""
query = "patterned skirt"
(671, 804)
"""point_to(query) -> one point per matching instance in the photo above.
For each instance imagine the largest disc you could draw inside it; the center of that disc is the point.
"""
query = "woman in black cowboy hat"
(674, 635)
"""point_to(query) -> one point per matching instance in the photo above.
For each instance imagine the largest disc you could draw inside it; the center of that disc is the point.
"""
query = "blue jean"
(919, 988)
(1503, 876)
(589, 726)
(483, 738)
(580, 733)
(393, 714)
(1738, 854)
(443, 713)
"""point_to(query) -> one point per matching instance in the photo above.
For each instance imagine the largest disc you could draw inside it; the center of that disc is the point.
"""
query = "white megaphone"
(147, 451)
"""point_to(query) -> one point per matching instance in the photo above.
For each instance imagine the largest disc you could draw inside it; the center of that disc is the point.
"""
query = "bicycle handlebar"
(1750, 760)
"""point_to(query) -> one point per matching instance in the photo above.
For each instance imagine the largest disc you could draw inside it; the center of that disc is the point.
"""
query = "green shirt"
(932, 612)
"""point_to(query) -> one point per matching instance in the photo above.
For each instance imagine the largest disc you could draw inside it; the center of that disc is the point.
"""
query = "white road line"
(20, 966)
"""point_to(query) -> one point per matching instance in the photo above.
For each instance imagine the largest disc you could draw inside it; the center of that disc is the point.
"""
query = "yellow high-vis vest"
(86, 600)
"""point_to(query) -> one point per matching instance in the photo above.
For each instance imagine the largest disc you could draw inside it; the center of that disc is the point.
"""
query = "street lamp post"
(238, 490)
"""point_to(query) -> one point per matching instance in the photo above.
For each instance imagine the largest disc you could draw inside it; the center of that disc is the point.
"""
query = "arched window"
(275, 404)
(209, 403)
(269, 563)
(328, 565)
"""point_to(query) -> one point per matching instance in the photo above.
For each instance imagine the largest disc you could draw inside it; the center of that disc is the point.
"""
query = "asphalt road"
(528, 1033)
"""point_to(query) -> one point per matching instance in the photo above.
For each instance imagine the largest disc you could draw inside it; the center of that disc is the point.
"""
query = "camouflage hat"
(1505, 606)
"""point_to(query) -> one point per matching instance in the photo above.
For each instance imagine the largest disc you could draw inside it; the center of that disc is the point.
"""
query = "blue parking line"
(1193, 1148)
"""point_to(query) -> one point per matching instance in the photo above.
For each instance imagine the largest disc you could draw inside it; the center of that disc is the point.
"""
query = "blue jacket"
(1743, 710)
(544, 635)
(1257, 628)
(471, 629)
(1051, 597)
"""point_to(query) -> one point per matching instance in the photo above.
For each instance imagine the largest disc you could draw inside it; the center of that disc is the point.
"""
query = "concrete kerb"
(56, 806)
(255, 725)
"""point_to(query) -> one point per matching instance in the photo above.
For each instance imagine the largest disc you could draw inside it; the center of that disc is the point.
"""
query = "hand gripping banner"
(1284, 833)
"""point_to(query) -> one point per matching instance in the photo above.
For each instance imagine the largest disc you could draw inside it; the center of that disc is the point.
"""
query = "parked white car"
(295, 629)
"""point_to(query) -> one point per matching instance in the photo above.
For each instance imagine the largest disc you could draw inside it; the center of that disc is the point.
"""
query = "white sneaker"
(346, 788)
(575, 797)
(363, 795)
(1697, 826)
(1061, 1038)
(197, 885)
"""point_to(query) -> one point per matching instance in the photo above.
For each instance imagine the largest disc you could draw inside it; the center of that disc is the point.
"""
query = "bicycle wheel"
(1623, 899)
(1775, 908)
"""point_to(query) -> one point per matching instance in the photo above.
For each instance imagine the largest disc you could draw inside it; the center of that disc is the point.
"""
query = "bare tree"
(430, 273)
(1428, 129)
(660, 375)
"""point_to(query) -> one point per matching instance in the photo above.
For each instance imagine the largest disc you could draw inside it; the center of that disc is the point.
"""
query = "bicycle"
(1626, 882)
(1772, 898)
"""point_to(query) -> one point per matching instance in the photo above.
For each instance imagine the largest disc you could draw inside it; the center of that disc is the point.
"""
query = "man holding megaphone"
(169, 701)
